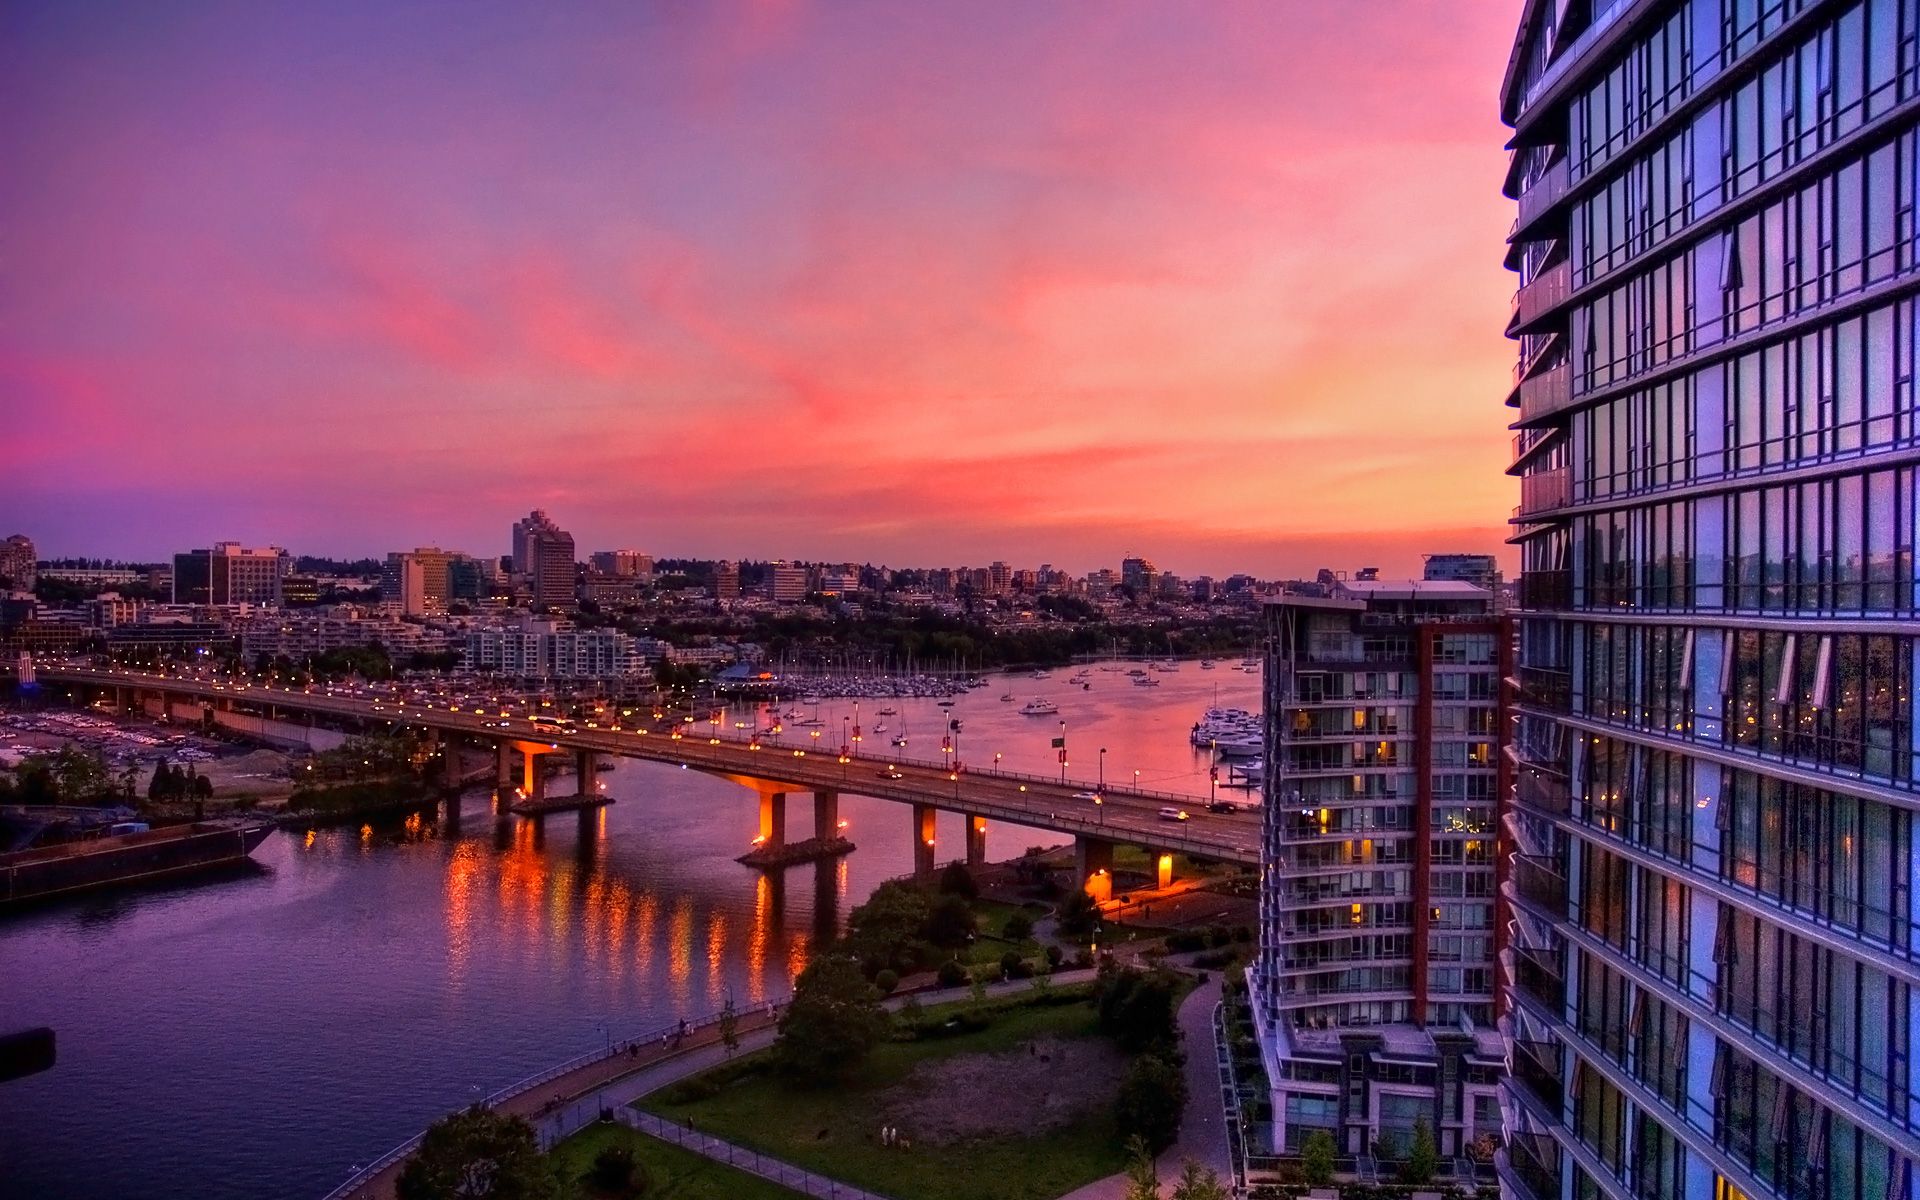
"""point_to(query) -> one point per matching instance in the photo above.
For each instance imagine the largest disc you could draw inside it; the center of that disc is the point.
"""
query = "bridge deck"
(1124, 816)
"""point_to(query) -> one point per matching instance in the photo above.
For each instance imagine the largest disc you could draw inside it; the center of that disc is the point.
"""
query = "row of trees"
(69, 775)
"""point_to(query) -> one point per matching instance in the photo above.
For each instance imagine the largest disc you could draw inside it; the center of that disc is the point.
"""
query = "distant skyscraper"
(1373, 990)
(523, 531)
(726, 581)
(17, 562)
(786, 583)
(229, 575)
(1715, 975)
(419, 581)
(1140, 575)
(551, 567)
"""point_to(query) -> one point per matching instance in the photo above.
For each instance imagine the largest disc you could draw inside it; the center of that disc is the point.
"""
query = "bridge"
(1096, 821)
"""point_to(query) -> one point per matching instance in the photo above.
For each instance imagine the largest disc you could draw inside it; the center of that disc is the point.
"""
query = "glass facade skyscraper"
(1711, 981)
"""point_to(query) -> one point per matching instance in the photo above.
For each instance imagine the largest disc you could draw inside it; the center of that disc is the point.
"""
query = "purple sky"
(1215, 283)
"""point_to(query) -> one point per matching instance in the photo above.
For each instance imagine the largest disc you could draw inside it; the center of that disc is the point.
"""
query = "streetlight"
(1103, 768)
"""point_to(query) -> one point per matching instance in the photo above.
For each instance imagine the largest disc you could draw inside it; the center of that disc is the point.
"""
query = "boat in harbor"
(137, 855)
(1039, 706)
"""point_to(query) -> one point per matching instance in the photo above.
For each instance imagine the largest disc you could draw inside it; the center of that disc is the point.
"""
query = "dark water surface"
(259, 1035)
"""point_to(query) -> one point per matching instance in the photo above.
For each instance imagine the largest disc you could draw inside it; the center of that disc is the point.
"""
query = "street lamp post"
(1103, 769)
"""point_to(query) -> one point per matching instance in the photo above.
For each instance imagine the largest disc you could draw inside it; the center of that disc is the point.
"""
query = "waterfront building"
(1373, 989)
(541, 649)
(1712, 984)
(229, 575)
(17, 562)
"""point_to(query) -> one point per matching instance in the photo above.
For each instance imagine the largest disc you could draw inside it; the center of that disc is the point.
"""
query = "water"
(261, 1034)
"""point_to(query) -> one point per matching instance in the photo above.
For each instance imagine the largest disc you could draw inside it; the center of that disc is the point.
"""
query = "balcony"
(1544, 491)
(1547, 191)
(1543, 792)
(1533, 1162)
(1537, 975)
(1537, 885)
(1546, 392)
(1546, 591)
(1546, 687)
(1529, 1062)
(1547, 292)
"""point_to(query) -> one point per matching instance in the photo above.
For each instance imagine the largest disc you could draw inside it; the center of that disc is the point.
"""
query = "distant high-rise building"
(551, 569)
(17, 562)
(726, 580)
(786, 583)
(999, 579)
(1712, 991)
(229, 575)
(1138, 574)
(1480, 570)
(523, 531)
(419, 581)
(1373, 989)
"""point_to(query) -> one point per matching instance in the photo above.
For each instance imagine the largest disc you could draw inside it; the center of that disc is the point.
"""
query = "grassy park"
(662, 1171)
(1010, 1101)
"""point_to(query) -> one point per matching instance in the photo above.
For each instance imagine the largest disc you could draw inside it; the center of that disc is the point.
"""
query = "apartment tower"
(1712, 977)
(1373, 991)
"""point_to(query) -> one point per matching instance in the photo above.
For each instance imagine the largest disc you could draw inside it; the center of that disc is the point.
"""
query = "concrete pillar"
(584, 767)
(503, 767)
(976, 842)
(1093, 866)
(1163, 868)
(533, 781)
(773, 820)
(826, 815)
(923, 843)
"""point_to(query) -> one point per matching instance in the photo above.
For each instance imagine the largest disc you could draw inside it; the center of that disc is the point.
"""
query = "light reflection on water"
(258, 1034)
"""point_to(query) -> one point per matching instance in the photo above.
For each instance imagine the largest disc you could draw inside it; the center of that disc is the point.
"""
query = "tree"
(949, 923)
(613, 1169)
(1143, 1180)
(730, 1026)
(478, 1154)
(886, 980)
(1196, 1184)
(1019, 927)
(1423, 1157)
(885, 931)
(956, 880)
(832, 1022)
(1078, 913)
(1136, 1008)
(1152, 1097)
(1317, 1155)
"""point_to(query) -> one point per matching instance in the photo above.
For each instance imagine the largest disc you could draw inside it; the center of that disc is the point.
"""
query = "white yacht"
(1039, 706)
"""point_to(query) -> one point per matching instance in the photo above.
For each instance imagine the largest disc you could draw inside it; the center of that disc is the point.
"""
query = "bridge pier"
(976, 842)
(585, 764)
(1093, 866)
(533, 781)
(1162, 867)
(923, 843)
(826, 815)
(773, 820)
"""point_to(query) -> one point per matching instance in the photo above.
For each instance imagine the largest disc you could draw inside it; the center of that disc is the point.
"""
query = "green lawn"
(835, 1130)
(672, 1173)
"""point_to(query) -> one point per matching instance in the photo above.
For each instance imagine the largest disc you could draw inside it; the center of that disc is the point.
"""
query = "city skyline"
(1134, 284)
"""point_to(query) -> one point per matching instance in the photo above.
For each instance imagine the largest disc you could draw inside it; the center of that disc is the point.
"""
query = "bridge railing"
(363, 1175)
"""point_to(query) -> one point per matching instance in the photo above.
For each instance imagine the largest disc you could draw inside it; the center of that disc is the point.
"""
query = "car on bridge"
(893, 773)
(1170, 813)
(1093, 796)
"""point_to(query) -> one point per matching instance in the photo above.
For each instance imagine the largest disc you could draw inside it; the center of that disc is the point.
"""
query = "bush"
(1317, 1157)
(1078, 913)
(952, 974)
(1054, 955)
(613, 1169)
(1217, 935)
(1019, 927)
(1152, 1097)
(1242, 933)
(1013, 966)
(1136, 1008)
(886, 980)
(1186, 940)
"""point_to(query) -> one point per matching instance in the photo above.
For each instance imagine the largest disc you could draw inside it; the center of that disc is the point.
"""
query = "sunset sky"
(925, 283)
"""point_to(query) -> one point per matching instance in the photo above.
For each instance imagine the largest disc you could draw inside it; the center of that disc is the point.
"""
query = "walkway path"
(1203, 1129)
(572, 1099)
(750, 1161)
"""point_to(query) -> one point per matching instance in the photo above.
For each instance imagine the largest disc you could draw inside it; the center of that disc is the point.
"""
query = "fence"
(751, 1161)
(366, 1174)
